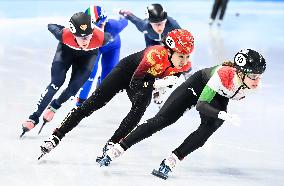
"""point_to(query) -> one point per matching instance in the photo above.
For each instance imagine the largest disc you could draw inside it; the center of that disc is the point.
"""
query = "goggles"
(254, 76)
(87, 37)
(159, 23)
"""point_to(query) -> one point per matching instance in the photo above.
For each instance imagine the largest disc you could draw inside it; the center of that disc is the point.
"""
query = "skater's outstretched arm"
(56, 30)
(116, 26)
(139, 23)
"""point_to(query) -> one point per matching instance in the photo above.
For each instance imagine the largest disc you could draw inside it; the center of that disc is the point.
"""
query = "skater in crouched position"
(108, 54)
(78, 47)
(156, 25)
(136, 73)
(209, 90)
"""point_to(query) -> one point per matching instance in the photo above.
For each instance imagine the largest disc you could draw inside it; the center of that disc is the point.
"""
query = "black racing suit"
(117, 80)
(219, 6)
(182, 98)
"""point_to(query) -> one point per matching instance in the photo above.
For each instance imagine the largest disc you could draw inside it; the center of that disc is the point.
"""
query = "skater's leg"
(78, 78)
(83, 95)
(112, 84)
(181, 99)
(140, 101)
(58, 74)
(223, 9)
(215, 9)
(207, 127)
(109, 60)
(195, 140)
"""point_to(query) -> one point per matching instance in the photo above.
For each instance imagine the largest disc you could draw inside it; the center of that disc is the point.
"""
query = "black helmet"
(80, 24)
(156, 13)
(250, 61)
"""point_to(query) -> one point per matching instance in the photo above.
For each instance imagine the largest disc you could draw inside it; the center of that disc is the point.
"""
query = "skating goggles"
(87, 37)
(254, 76)
(159, 23)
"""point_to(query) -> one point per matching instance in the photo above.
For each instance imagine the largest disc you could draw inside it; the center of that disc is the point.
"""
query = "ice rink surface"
(251, 154)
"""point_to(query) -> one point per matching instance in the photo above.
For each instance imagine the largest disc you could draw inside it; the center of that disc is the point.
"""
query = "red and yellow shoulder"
(156, 54)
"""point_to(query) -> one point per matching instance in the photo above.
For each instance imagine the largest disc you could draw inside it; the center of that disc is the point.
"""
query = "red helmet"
(180, 40)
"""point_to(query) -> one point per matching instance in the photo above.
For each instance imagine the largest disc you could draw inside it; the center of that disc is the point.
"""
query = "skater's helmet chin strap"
(242, 78)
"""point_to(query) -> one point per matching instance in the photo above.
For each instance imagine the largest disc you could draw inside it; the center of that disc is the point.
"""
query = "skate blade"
(100, 163)
(159, 174)
(23, 133)
(99, 158)
(103, 162)
(44, 122)
(42, 154)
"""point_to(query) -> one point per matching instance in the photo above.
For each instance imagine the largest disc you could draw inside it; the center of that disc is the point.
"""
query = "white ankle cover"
(171, 161)
(115, 151)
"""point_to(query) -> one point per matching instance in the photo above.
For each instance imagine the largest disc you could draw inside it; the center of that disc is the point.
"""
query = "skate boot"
(80, 102)
(211, 21)
(107, 146)
(219, 23)
(27, 126)
(166, 166)
(49, 144)
(111, 154)
(47, 116)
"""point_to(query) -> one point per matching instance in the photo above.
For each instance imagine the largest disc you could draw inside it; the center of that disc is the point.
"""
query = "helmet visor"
(87, 37)
(159, 23)
(254, 76)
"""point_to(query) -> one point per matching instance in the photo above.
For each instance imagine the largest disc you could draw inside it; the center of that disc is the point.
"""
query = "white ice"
(251, 154)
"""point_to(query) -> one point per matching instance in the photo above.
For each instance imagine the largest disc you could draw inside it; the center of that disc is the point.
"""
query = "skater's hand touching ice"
(231, 118)
(165, 82)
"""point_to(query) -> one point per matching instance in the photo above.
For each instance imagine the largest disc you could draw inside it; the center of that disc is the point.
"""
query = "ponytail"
(231, 64)
(228, 63)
